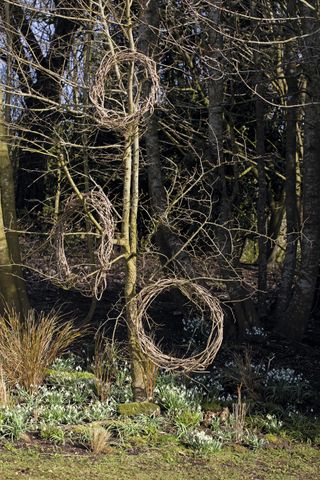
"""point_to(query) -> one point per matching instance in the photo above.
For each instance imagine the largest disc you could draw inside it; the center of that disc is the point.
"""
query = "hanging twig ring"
(201, 298)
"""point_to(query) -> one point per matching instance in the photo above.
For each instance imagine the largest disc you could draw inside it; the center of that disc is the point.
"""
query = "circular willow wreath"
(117, 118)
(95, 210)
(202, 299)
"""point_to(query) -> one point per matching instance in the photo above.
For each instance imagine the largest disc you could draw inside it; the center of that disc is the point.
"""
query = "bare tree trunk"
(243, 308)
(298, 312)
(130, 232)
(138, 359)
(276, 231)
(262, 202)
(8, 219)
(85, 143)
(9, 295)
(172, 254)
(292, 218)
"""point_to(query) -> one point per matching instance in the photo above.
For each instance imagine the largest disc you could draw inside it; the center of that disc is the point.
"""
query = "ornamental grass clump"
(100, 440)
(4, 396)
(105, 366)
(29, 346)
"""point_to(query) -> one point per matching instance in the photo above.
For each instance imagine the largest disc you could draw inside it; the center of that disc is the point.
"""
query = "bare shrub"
(29, 346)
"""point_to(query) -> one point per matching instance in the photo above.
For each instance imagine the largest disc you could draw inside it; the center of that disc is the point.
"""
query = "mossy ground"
(164, 463)
(138, 408)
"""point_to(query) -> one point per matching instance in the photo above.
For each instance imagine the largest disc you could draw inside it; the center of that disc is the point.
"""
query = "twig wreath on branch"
(95, 211)
(111, 76)
(202, 299)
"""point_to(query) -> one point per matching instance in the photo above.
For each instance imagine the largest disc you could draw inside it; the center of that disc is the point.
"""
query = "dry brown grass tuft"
(151, 373)
(4, 395)
(105, 365)
(29, 346)
(99, 440)
(239, 410)
(244, 373)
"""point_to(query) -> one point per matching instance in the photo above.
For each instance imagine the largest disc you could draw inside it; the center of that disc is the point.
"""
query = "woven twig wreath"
(95, 209)
(201, 298)
(118, 118)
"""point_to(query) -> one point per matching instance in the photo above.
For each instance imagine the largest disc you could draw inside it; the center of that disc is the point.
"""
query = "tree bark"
(262, 202)
(172, 255)
(298, 312)
(12, 282)
(9, 296)
(242, 306)
(292, 218)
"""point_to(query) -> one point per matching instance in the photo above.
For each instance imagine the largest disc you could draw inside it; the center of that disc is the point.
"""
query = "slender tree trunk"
(138, 359)
(7, 176)
(262, 180)
(276, 230)
(85, 143)
(292, 219)
(130, 240)
(9, 295)
(261, 203)
(243, 308)
(172, 254)
(298, 312)
(8, 219)
(130, 233)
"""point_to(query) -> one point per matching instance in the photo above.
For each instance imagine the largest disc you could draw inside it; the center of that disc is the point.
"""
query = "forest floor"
(293, 389)
(303, 356)
(298, 462)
